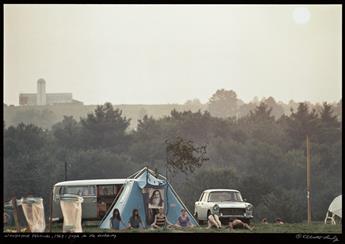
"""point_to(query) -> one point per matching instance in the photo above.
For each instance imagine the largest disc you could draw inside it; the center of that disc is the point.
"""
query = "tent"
(334, 211)
(136, 194)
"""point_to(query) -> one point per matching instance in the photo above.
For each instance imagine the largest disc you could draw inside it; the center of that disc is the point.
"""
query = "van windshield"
(225, 196)
(79, 190)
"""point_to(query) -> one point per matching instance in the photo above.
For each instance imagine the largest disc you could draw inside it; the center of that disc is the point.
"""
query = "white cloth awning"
(335, 206)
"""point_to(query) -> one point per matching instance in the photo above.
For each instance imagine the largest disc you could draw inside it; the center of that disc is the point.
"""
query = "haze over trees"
(223, 103)
(262, 152)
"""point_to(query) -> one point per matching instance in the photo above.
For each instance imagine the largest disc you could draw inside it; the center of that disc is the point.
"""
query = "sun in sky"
(301, 15)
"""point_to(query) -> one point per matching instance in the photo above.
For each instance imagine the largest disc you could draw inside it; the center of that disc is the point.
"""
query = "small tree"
(182, 155)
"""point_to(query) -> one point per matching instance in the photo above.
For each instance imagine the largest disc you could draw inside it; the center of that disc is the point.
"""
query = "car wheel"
(208, 214)
(200, 222)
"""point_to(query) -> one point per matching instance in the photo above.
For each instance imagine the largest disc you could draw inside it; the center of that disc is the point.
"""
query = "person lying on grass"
(279, 221)
(161, 220)
(239, 224)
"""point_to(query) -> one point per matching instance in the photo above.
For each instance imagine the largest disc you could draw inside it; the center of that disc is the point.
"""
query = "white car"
(227, 203)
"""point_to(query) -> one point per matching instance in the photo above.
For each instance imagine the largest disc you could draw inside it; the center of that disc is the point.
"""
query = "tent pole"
(51, 211)
(167, 182)
(308, 180)
(147, 176)
(15, 213)
(167, 202)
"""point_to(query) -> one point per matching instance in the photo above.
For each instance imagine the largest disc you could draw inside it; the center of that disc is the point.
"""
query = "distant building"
(43, 98)
(27, 99)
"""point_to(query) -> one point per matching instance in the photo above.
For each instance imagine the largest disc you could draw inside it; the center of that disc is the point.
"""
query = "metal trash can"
(34, 213)
(72, 212)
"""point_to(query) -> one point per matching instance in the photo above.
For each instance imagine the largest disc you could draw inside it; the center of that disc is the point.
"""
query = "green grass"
(258, 228)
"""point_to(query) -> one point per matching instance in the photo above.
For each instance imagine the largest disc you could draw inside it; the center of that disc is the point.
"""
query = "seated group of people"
(160, 220)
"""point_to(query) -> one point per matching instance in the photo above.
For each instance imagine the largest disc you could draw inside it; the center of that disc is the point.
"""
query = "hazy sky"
(153, 54)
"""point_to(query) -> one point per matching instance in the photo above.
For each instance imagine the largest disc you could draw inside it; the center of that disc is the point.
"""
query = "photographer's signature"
(328, 237)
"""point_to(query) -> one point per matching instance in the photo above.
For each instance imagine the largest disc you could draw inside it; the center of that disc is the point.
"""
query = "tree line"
(259, 154)
(223, 103)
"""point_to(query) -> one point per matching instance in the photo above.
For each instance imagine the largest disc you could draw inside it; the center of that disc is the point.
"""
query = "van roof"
(213, 190)
(93, 182)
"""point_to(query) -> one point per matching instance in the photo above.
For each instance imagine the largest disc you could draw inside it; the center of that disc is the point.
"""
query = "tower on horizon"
(41, 98)
(41, 92)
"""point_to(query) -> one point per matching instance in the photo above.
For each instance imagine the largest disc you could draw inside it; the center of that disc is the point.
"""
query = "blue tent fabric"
(132, 198)
(173, 206)
(147, 178)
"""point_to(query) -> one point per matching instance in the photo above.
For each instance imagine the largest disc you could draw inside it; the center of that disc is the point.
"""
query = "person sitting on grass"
(239, 224)
(279, 221)
(115, 220)
(213, 221)
(135, 220)
(264, 221)
(183, 220)
(161, 220)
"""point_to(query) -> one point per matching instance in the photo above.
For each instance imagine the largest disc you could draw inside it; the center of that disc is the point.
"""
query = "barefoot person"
(213, 221)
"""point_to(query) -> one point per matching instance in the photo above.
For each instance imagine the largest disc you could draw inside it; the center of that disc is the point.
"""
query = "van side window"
(92, 191)
(79, 190)
(107, 190)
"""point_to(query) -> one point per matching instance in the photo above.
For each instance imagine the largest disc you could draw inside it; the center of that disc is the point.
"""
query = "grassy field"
(258, 228)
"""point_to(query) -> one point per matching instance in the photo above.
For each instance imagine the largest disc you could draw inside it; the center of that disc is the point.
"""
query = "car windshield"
(225, 196)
